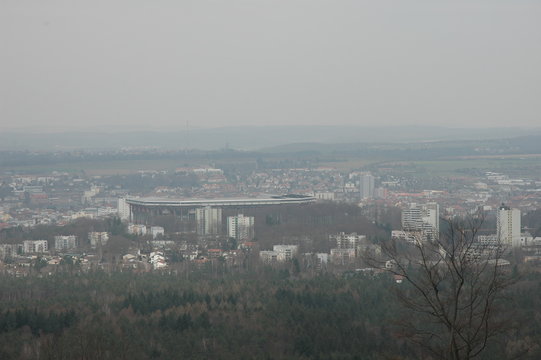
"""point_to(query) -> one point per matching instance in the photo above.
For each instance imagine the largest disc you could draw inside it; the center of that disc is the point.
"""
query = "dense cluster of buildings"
(58, 198)
(213, 209)
(348, 250)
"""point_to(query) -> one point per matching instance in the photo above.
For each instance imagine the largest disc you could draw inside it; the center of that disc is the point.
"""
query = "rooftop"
(266, 200)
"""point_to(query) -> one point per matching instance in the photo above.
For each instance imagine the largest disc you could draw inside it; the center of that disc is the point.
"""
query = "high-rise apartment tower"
(508, 226)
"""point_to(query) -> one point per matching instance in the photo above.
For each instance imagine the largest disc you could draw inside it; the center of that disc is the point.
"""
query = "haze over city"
(108, 65)
(270, 179)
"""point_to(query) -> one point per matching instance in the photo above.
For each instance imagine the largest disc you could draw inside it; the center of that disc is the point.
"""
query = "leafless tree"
(451, 287)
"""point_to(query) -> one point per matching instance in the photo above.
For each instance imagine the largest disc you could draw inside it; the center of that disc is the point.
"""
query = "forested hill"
(246, 137)
(264, 314)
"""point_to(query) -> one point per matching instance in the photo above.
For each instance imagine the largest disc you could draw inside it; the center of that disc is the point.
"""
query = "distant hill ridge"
(271, 138)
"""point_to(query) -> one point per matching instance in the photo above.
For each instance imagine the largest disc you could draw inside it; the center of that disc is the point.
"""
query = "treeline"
(23, 158)
(310, 225)
(38, 321)
(250, 316)
(257, 315)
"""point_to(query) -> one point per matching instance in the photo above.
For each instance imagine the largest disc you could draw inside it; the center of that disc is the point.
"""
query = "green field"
(446, 167)
(459, 166)
(443, 167)
(112, 167)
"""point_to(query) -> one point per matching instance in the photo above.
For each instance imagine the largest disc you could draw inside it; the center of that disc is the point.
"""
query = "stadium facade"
(141, 209)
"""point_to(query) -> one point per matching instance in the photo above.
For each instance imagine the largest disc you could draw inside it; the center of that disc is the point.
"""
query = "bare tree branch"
(453, 284)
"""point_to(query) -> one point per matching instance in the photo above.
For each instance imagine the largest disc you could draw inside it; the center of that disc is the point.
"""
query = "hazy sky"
(159, 63)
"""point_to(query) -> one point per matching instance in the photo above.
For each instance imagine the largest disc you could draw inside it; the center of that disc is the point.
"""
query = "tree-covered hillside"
(263, 315)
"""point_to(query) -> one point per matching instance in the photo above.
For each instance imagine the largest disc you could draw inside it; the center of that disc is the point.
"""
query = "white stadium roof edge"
(270, 200)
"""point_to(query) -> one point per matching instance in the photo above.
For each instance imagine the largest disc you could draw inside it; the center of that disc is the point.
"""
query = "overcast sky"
(74, 64)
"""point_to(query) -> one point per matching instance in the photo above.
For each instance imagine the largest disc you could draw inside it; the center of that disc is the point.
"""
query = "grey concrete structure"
(143, 208)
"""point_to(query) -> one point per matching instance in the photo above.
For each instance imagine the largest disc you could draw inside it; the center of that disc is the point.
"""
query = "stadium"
(143, 208)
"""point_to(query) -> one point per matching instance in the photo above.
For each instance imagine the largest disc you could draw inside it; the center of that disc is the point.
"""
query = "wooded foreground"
(264, 315)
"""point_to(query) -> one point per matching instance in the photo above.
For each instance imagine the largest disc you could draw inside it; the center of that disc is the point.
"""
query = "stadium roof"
(269, 200)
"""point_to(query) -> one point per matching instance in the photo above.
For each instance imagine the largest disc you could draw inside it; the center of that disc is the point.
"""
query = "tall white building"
(411, 218)
(208, 220)
(416, 215)
(240, 227)
(431, 215)
(366, 186)
(508, 226)
(124, 211)
(422, 218)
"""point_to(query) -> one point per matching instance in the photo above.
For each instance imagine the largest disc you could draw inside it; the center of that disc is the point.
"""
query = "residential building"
(343, 256)
(208, 220)
(422, 218)
(124, 210)
(366, 186)
(407, 236)
(157, 231)
(488, 239)
(411, 218)
(508, 226)
(431, 216)
(359, 243)
(268, 256)
(347, 241)
(285, 252)
(68, 242)
(279, 253)
(137, 229)
(240, 227)
(35, 246)
(9, 250)
(98, 238)
(157, 259)
(321, 259)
